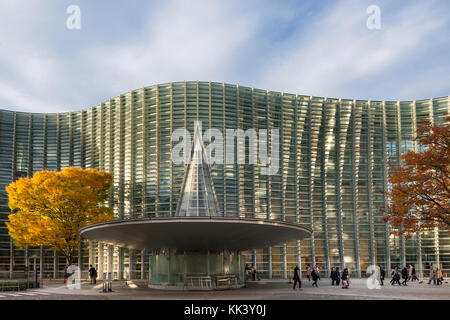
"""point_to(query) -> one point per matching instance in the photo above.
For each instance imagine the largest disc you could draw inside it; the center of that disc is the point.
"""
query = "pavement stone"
(258, 290)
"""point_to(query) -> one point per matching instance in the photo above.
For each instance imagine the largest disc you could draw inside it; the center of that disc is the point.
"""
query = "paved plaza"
(258, 290)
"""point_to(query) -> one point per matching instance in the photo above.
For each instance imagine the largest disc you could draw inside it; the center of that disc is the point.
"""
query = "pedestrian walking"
(338, 276)
(92, 274)
(315, 277)
(382, 275)
(66, 275)
(253, 272)
(333, 276)
(395, 276)
(308, 273)
(413, 274)
(410, 269)
(345, 279)
(297, 278)
(404, 275)
(247, 272)
(432, 276)
(439, 276)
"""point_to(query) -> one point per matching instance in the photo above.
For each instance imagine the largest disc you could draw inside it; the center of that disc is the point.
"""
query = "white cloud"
(185, 41)
(325, 52)
(338, 49)
(30, 74)
(182, 40)
(16, 99)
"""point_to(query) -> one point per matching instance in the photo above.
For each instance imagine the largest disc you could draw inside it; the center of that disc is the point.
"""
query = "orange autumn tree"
(52, 206)
(420, 196)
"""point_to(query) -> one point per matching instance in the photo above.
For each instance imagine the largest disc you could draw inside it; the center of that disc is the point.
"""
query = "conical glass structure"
(197, 198)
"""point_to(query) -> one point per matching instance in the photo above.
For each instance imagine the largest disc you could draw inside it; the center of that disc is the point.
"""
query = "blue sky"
(321, 48)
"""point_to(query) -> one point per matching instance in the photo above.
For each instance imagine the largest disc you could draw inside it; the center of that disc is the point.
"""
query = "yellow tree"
(50, 207)
(420, 194)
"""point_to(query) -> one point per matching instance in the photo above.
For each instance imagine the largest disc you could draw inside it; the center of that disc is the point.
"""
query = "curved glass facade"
(333, 169)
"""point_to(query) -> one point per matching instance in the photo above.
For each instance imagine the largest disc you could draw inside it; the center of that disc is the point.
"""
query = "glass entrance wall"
(174, 268)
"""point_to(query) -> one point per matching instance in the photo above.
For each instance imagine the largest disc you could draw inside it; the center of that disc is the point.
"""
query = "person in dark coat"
(253, 272)
(338, 276)
(333, 276)
(66, 275)
(395, 276)
(317, 271)
(297, 278)
(405, 275)
(315, 277)
(413, 274)
(382, 275)
(247, 272)
(345, 279)
(92, 274)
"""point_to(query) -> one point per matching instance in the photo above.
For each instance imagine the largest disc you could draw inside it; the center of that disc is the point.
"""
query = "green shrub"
(15, 285)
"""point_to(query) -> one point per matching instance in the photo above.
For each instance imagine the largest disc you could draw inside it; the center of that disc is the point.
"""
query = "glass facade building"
(335, 160)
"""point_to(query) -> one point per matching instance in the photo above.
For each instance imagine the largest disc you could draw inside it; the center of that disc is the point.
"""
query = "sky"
(319, 48)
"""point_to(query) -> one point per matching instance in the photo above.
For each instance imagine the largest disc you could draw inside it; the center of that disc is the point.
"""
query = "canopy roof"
(195, 233)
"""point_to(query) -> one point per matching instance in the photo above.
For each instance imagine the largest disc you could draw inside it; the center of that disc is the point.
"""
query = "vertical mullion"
(355, 173)
(338, 177)
(13, 177)
(323, 133)
(157, 153)
(310, 182)
(385, 187)
(144, 155)
(399, 139)
(370, 183)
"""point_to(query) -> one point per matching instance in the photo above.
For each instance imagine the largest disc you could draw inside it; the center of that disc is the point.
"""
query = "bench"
(198, 282)
(225, 281)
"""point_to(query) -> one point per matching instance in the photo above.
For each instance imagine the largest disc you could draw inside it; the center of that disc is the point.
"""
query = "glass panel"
(198, 197)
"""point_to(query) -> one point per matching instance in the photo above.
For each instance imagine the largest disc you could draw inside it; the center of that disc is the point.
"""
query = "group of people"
(409, 274)
(397, 274)
(336, 277)
(436, 276)
(314, 275)
(92, 274)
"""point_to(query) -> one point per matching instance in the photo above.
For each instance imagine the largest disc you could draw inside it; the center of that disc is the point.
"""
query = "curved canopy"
(195, 233)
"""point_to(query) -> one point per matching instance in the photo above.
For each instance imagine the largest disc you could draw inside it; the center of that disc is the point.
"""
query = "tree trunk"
(69, 260)
(69, 257)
